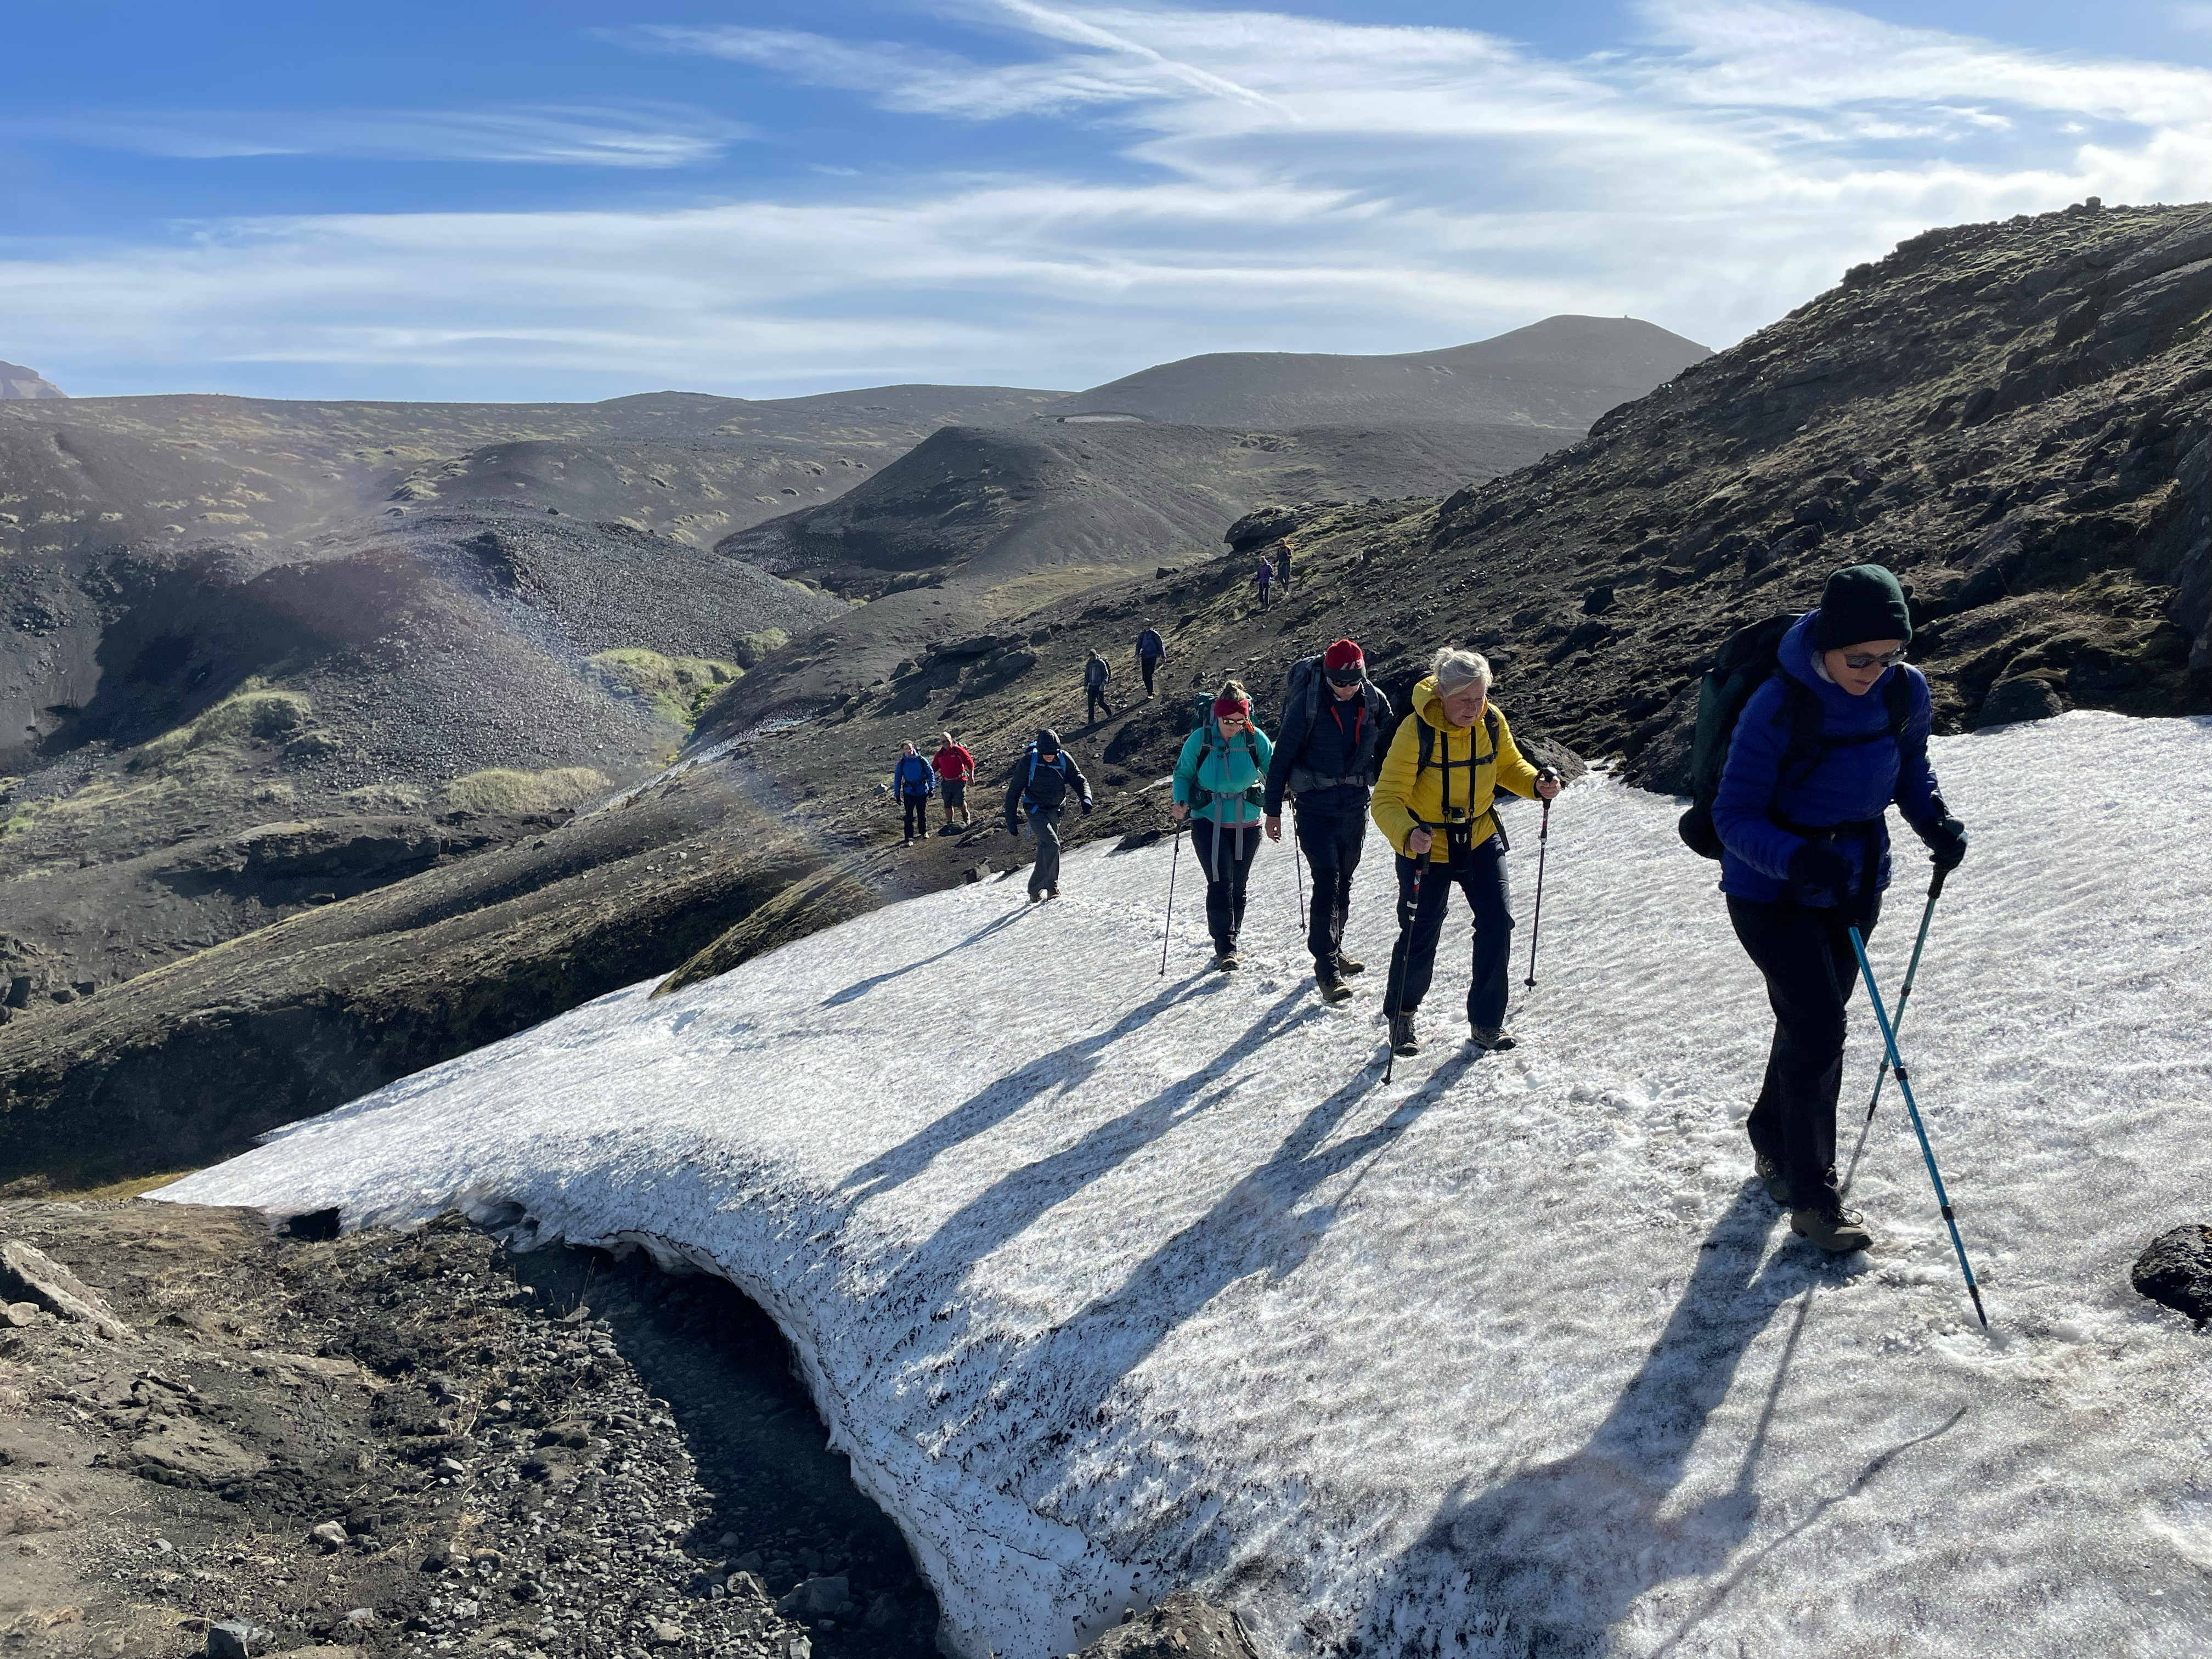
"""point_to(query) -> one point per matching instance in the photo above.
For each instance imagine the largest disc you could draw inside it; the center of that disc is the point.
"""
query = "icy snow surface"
(1110, 1282)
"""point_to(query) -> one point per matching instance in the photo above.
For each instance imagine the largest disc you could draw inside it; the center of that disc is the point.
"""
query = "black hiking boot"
(1770, 1172)
(1348, 967)
(1495, 1038)
(1332, 989)
(1225, 961)
(1831, 1226)
(1402, 1040)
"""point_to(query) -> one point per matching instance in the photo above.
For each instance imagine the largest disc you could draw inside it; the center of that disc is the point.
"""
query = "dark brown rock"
(2176, 1269)
(1183, 1626)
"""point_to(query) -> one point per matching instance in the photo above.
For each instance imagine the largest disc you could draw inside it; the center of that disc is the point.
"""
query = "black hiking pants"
(917, 814)
(1225, 852)
(1331, 842)
(1479, 871)
(1805, 954)
(1095, 703)
(1148, 666)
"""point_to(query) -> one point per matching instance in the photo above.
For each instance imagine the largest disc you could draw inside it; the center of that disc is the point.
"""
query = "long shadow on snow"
(1545, 1562)
(1070, 1375)
(859, 988)
(999, 1099)
(1009, 1203)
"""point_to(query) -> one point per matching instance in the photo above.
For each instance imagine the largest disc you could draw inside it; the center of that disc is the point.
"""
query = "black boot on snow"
(1495, 1038)
(1770, 1172)
(1831, 1226)
(1332, 989)
(1224, 961)
(1346, 967)
(1402, 1040)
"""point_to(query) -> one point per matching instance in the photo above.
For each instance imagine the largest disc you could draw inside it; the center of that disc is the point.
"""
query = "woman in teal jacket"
(1218, 780)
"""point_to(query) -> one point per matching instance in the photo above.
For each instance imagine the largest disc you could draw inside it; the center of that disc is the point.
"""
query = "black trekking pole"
(1536, 925)
(1904, 991)
(1166, 927)
(1299, 859)
(1399, 952)
(1905, 1088)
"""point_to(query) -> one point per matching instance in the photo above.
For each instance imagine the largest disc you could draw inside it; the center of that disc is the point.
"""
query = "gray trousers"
(1044, 824)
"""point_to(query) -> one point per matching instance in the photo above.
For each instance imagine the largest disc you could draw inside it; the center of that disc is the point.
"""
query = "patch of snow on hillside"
(1111, 1282)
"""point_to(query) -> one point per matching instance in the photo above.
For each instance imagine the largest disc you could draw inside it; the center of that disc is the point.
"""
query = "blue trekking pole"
(1904, 991)
(1905, 1088)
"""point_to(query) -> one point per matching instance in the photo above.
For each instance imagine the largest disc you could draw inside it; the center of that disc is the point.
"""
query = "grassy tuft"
(502, 790)
(256, 711)
(677, 687)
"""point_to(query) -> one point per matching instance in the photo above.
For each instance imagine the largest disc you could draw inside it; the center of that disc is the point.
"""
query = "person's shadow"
(859, 988)
(1546, 1562)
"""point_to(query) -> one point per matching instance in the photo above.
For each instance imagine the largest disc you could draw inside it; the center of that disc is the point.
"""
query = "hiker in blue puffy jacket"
(913, 783)
(1220, 779)
(1814, 763)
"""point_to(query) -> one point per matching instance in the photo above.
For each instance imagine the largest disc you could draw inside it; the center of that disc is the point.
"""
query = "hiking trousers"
(1805, 954)
(1095, 703)
(1479, 871)
(1225, 852)
(1332, 843)
(917, 814)
(1148, 666)
(1044, 824)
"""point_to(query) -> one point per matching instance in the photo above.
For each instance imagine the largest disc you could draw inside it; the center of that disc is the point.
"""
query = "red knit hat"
(1225, 706)
(1344, 654)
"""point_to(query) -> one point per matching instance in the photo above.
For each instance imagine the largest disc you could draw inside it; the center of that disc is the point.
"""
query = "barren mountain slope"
(1563, 371)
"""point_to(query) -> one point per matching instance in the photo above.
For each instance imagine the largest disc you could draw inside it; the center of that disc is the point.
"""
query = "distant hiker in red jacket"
(955, 767)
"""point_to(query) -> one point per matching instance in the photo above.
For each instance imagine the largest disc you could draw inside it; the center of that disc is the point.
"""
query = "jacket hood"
(1795, 656)
(1430, 705)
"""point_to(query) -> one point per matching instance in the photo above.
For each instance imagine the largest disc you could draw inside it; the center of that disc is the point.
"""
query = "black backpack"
(1747, 660)
(1425, 757)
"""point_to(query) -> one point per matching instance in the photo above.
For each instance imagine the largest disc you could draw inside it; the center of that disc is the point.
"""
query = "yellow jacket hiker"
(1447, 782)
(1437, 812)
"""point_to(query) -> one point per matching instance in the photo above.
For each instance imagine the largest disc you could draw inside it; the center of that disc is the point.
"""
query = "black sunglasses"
(1346, 676)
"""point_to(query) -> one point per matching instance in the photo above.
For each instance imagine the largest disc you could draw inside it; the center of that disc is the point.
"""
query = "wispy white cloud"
(648, 137)
(1264, 180)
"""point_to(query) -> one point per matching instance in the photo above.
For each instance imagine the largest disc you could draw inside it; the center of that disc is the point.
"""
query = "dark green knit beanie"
(1861, 602)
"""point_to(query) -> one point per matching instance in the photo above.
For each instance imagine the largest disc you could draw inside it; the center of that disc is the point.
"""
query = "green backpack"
(1202, 719)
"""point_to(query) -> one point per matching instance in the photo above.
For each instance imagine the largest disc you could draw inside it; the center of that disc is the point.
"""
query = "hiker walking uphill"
(1037, 789)
(1327, 754)
(1283, 567)
(913, 783)
(1433, 801)
(1219, 784)
(1094, 689)
(1262, 577)
(955, 769)
(1151, 647)
(1835, 732)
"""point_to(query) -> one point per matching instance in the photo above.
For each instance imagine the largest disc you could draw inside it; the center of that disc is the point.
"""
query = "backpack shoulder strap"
(1898, 694)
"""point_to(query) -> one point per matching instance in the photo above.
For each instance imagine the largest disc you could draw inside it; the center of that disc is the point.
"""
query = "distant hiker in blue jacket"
(1219, 779)
(1806, 856)
(1037, 789)
(913, 782)
(1151, 647)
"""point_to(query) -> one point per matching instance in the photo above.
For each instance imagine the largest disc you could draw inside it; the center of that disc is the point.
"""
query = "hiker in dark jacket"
(1327, 754)
(913, 783)
(1805, 857)
(1094, 689)
(1038, 787)
(1283, 566)
(1151, 647)
(1261, 577)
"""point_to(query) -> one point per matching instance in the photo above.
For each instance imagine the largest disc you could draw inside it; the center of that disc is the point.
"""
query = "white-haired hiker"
(1433, 802)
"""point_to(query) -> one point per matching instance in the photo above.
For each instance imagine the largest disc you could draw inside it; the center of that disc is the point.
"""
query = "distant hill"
(17, 382)
(1563, 371)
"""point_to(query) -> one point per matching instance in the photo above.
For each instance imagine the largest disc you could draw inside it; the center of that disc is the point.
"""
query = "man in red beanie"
(1326, 755)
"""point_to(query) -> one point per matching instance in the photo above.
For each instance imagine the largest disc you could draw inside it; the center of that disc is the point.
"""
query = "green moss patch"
(499, 789)
(677, 687)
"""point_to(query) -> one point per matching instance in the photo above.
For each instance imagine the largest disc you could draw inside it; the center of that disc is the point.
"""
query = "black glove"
(1817, 865)
(1947, 843)
(1086, 807)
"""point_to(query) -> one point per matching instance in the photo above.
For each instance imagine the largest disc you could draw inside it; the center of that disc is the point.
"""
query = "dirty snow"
(1112, 1283)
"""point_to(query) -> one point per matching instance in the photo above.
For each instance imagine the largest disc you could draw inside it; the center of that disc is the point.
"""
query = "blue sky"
(574, 201)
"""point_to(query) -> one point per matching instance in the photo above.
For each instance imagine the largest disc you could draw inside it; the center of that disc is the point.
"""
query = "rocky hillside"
(1563, 371)
(17, 381)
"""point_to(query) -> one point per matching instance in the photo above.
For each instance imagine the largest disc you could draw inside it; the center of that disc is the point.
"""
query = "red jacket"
(954, 764)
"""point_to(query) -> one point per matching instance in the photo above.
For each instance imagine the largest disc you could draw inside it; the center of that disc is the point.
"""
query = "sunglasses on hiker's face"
(1346, 675)
(1868, 659)
(1233, 720)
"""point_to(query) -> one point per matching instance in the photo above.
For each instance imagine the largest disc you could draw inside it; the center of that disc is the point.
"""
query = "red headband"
(1227, 706)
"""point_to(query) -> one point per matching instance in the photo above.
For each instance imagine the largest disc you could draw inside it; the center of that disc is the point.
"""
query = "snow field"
(1111, 1283)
